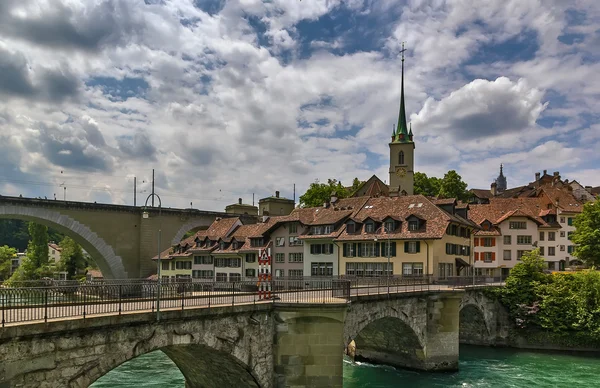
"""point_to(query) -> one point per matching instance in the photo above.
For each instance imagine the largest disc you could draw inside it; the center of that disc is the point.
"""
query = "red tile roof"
(500, 209)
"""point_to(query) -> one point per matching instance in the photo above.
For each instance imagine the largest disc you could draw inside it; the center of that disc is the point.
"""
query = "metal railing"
(80, 300)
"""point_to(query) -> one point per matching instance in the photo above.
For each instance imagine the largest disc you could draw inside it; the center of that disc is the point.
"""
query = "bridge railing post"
(3, 296)
(120, 293)
(46, 305)
(233, 294)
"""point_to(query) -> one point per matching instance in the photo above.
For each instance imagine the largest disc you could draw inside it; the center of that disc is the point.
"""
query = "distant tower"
(501, 181)
(402, 155)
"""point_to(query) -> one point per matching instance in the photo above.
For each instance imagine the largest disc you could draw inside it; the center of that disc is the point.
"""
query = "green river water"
(479, 367)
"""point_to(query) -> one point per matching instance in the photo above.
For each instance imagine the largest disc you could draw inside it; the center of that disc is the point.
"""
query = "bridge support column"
(309, 346)
(441, 346)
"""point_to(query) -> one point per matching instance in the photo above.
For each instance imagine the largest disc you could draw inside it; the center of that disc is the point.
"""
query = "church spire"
(402, 129)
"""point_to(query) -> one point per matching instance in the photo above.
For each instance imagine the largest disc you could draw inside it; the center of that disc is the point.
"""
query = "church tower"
(501, 181)
(402, 151)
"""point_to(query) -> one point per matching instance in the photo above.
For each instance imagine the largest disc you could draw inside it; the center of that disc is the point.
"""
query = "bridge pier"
(309, 346)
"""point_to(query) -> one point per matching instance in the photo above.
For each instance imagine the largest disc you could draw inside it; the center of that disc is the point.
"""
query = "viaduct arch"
(120, 239)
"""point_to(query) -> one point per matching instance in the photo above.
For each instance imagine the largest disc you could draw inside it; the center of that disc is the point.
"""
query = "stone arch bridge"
(118, 237)
(256, 345)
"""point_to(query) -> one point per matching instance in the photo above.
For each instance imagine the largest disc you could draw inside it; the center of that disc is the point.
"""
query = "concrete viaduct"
(268, 345)
(118, 237)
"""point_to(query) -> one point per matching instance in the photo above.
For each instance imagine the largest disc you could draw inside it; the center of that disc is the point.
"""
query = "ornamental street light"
(387, 270)
(146, 215)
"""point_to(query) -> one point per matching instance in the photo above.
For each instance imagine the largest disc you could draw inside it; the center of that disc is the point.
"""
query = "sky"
(238, 99)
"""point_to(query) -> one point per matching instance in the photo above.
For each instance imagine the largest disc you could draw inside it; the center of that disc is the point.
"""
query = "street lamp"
(146, 215)
(387, 270)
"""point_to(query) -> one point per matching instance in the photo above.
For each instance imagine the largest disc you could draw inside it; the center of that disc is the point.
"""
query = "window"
(296, 257)
(318, 249)
(390, 226)
(164, 265)
(562, 220)
(413, 225)
(412, 269)
(280, 241)
(221, 245)
(250, 272)
(506, 255)
(321, 269)
(571, 249)
(369, 269)
(250, 257)
(351, 227)
(401, 157)
(487, 242)
(295, 241)
(487, 257)
(234, 245)
(524, 240)
(183, 264)
(412, 247)
(280, 257)
(551, 265)
(197, 260)
(235, 277)
(388, 248)
(541, 236)
(316, 230)
(202, 274)
(562, 248)
(369, 227)
(542, 251)
(221, 277)
(349, 250)
(223, 262)
(445, 270)
(569, 235)
(520, 254)
(296, 273)
(173, 266)
(507, 240)
(562, 233)
(256, 242)
(551, 236)
(368, 249)
(551, 251)
(570, 221)
(207, 259)
(328, 229)
(293, 228)
(517, 225)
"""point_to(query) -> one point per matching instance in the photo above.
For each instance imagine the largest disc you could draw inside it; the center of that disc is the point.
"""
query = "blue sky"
(227, 99)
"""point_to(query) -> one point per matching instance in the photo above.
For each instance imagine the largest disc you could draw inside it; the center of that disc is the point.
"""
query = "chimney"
(545, 172)
(537, 176)
(277, 194)
(240, 201)
(556, 173)
(333, 198)
(493, 189)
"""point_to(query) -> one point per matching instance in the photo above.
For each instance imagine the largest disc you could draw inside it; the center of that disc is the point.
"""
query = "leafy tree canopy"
(450, 186)
(6, 255)
(426, 186)
(319, 193)
(587, 234)
(71, 257)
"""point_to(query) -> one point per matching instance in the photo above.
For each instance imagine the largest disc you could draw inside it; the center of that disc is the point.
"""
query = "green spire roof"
(402, 128)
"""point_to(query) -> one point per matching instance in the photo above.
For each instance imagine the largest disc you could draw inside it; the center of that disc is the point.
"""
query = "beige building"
(275, 206)
(241, 208)
(287, 248)
(54, 252)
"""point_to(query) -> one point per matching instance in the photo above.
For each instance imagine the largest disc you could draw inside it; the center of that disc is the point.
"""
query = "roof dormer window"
(413, 225)
(390, 226)
(351, 227)
(369, 227)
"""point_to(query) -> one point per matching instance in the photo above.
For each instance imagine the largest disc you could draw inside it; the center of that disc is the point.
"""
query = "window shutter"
(406, 247)
(376, 249)
(493, 256)
(476, 256)
(354, 249)
(393, 244)
(418, 246)
(476, 241)
(345, 252)
(331, 248)
(359, 250)
(493, 241)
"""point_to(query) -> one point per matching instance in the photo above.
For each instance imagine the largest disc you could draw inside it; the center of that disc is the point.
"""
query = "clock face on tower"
(401, 171)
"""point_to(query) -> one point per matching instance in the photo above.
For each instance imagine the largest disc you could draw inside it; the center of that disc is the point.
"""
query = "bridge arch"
(476, 321)
(107, 260)
(389, 332)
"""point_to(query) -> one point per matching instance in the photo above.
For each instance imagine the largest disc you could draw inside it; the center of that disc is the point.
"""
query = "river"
(479, 367)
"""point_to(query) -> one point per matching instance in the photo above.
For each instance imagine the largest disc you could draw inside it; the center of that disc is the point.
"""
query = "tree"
(35, 264)
(6, 255)
(319, 193)
(426, 186)
(71, 257)
(587, 234)
(452, 186)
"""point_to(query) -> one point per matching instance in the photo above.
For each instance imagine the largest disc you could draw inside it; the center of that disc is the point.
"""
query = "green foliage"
(35, 265)
(15, 233)
(452, 186)
(567, 304)
(425, 185)
(319, 193)
(6, 255)
(587, 234)
(71, 257)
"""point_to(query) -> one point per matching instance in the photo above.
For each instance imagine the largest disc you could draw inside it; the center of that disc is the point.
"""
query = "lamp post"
(145, 214)
(387, 270)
